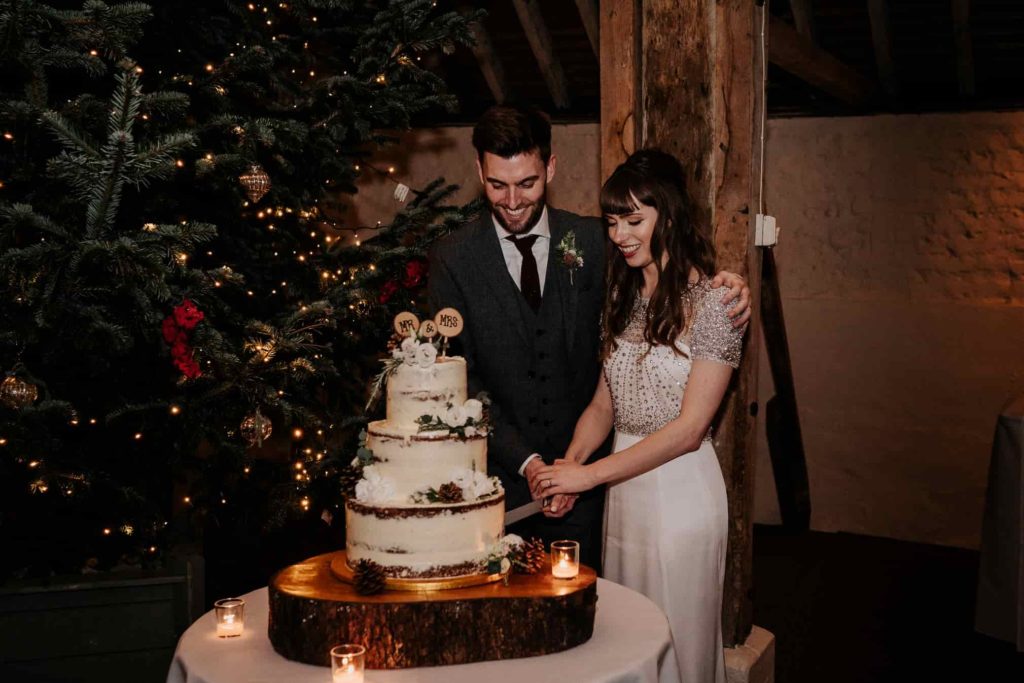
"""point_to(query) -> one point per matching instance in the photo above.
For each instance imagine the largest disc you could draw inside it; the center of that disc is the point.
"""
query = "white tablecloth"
(631, 639)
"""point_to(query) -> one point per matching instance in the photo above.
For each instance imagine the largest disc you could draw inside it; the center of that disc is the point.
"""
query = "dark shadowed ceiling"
(915, 55)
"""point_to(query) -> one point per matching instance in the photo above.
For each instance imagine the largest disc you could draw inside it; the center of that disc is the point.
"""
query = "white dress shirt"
(514, 263)
(541, 248)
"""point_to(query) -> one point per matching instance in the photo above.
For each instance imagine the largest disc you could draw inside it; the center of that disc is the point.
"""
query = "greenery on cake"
(413, 350)
(466, 486)
(353, 472)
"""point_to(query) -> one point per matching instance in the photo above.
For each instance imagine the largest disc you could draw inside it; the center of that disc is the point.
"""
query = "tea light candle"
(347, 663)
(565, 559)
(230, 617)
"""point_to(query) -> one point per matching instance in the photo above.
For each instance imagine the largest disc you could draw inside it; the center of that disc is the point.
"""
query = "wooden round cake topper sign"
(449, 322)
(428, 330)
(406, 324)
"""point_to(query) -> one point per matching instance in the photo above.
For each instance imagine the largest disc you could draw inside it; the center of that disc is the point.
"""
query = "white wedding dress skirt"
(665, 537)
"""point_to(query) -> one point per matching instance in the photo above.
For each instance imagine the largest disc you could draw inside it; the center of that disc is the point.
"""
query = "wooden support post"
(803, 19)
(539, 37)
(700, 79)
(620, 81)
(964, 47)
(878, 13)
(800, 57)
(490, 64)
(589, 15)
(782, 420)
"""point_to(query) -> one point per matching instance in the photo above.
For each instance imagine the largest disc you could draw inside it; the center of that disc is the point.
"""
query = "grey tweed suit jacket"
(468, 273)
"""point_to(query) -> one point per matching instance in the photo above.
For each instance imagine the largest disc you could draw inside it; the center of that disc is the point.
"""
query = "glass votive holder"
(565, 559)
(230, 617)
(347, 663)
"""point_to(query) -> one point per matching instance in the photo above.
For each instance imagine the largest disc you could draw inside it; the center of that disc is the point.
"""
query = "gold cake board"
(342, 572)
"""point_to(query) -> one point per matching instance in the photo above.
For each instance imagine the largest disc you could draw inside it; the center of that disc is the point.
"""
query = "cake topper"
(406, 324)
(449, 324)
(428, 330)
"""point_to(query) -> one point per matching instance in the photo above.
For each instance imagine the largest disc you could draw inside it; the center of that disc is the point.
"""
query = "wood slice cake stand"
(311, 611)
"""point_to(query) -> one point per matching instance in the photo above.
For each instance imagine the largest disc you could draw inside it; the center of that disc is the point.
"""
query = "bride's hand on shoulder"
(738, 292)
(565, 477)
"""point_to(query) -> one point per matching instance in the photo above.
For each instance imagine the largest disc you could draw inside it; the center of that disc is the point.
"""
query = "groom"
(529, 281)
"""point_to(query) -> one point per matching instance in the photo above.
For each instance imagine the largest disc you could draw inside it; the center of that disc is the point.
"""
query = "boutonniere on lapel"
(571, 255)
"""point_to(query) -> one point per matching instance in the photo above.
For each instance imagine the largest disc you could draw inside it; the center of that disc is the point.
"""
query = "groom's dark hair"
(510, 129)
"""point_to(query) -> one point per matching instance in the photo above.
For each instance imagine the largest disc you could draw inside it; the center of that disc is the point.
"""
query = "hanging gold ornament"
(17, 393)
(256, 182)
(256, 429)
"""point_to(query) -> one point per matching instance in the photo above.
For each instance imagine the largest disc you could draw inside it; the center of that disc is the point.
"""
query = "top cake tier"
(414, 391)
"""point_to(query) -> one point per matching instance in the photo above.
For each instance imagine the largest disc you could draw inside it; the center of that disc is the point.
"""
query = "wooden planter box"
(110, 627)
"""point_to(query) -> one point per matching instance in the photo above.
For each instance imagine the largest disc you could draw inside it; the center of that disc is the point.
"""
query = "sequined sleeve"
(713, 336)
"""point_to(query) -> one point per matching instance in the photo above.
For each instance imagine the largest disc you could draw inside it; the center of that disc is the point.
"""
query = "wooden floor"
(857, 609)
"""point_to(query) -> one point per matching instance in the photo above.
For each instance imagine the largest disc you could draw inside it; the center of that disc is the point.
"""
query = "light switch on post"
(765, 233)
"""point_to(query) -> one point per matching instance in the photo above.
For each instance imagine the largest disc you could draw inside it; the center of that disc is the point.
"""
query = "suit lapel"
(557, 271)
(491, 264)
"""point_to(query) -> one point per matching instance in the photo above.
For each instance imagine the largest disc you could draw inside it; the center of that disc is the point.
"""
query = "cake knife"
(524, 511)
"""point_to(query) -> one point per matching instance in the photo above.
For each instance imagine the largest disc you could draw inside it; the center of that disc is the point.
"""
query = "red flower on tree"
(415, 273)
(387, 291)
(175, 329)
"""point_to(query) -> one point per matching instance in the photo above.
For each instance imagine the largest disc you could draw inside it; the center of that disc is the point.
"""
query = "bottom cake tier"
(425, 541)
(311, 611)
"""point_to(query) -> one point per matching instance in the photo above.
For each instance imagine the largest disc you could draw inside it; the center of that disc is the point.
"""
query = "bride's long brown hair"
(653, 178)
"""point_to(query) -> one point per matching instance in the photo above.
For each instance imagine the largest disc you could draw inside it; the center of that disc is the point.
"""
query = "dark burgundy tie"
(529, 279)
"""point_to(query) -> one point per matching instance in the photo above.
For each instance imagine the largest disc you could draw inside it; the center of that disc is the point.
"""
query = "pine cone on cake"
(368, 577)
(529, 558)
(450, 493)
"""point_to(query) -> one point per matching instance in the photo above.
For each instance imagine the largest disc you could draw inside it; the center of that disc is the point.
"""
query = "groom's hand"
(532, 479)
(739, 292)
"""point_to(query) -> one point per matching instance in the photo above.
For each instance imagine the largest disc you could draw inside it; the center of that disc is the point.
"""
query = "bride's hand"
(565, 477)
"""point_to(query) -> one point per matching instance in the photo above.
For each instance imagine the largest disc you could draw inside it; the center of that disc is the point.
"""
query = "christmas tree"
(186, 333)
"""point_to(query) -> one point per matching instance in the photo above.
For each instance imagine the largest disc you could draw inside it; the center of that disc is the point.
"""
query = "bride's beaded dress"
(666, 530)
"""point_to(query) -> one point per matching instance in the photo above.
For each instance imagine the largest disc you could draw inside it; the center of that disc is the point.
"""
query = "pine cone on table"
(369, 577)
(529, 558)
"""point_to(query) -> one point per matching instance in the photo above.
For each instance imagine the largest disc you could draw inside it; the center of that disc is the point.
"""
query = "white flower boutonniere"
(571, 255)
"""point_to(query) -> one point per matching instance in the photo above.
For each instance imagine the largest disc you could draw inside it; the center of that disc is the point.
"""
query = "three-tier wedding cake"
(425, 507)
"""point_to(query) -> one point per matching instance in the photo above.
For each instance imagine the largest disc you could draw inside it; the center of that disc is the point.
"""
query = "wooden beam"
(620, 81)
(964, 47)
(539, 37)
(591, 24)
(878, 14)
(797, 55)
(490, 63)
(803, 19)
(700, 79)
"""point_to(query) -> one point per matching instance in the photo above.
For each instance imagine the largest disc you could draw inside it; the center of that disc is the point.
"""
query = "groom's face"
(516, 188)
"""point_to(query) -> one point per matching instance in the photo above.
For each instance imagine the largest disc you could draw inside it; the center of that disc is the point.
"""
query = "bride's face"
(631, 233)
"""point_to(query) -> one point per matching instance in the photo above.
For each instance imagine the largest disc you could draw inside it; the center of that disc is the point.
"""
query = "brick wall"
(901, 257)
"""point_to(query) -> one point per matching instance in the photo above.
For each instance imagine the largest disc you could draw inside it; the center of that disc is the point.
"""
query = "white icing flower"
(474, 409)
(397, 354)
(425, 355)
(374, 488)
(474, 485)
(455, 417)
(510, 541)
(470, 431)
(409, 348)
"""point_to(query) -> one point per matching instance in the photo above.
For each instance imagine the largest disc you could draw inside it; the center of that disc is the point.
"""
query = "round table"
(631, 639)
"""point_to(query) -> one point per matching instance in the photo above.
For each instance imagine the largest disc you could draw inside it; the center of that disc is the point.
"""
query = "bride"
(669, 351)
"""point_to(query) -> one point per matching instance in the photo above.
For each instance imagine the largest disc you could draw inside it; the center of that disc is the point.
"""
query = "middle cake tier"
(413, 461)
